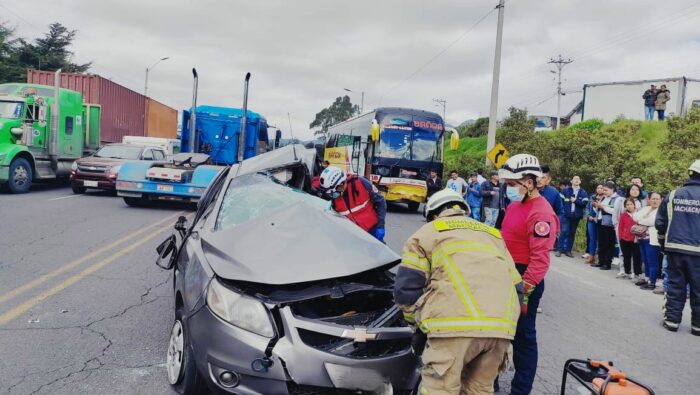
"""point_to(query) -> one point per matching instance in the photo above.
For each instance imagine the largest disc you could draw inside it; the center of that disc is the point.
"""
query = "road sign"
(498, 155)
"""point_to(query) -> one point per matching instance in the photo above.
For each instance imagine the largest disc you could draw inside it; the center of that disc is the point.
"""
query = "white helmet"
(517, 166)
(441, 198)
(331, 177)
(695, 167)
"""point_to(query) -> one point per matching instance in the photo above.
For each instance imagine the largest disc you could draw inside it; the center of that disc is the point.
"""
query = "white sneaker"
(631, 276)
(616, 261)
(621, 275)
(585, 256)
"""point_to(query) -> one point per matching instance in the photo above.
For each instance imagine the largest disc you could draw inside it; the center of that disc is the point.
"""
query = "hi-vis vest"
(356, 204)
(471, 279)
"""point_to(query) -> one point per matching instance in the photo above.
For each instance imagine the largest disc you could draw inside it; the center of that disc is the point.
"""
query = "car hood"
(296, 244)
(95, 160)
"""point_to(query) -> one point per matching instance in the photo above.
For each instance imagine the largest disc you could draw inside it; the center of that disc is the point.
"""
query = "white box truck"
(610, 100)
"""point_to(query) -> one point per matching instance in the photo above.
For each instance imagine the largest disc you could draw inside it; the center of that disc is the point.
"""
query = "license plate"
(164, 188)
(92, 184)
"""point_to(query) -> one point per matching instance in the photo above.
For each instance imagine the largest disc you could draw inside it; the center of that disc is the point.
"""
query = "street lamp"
(362, 101)
(145, 88)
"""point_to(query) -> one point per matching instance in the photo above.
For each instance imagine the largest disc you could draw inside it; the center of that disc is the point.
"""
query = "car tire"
(182, 371)
(78, 190)
(413, 206)
(20, 179)
(134, 202)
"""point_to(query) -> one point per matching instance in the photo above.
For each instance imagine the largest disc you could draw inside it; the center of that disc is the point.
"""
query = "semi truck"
(212, 138)
(43, 130)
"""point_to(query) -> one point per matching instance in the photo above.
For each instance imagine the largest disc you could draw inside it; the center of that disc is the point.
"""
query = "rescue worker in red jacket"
(529, 230)
(355, 198)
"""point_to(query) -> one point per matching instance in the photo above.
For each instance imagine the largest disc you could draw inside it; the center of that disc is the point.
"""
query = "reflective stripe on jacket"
(356, 205)
(457, 278)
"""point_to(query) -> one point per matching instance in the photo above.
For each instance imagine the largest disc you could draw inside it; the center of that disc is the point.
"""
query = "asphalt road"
(83, 308)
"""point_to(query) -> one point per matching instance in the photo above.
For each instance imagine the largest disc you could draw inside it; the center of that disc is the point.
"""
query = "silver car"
(276, 294)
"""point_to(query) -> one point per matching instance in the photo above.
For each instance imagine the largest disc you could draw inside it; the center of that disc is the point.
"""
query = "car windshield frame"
(128, 152)
(252, 196)
(8, 112)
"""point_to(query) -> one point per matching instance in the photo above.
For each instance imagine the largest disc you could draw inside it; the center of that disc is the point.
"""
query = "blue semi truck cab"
(185, 176)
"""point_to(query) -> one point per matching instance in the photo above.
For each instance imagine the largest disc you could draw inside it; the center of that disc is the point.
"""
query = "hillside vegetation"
(660, 152)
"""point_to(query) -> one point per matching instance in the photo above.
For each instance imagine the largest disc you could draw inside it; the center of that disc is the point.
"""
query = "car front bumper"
(297, 367)
(92, 181)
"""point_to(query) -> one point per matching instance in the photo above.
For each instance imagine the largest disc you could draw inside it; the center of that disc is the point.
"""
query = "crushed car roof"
(287, 156)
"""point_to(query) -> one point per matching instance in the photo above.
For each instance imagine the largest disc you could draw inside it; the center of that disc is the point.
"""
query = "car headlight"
(74, 166)
(239, 310)
(115, 169)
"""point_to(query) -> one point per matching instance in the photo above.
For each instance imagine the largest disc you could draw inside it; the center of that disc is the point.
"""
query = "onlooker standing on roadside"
(662, 98)
(480, 176)
(434, 183)
(649, 102)
(636, 180)
(474, 197)
(490, 192)
(628, 242)
(606, 227)
(575, 202)
(457, 183)
(592, 225)
(649, 243)
(548, 192)
(678, 224)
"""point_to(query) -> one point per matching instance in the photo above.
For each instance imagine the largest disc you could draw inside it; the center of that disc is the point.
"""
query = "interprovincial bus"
(393, 147)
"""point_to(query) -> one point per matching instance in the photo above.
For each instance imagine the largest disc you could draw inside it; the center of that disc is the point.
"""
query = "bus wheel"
(413, 206)
(20, 176)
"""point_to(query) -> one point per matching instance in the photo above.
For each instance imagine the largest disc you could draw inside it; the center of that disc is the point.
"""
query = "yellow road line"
(31, 302)
(42, 279)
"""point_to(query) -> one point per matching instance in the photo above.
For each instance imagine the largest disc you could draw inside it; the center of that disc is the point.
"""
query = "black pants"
(683, 269)
(606, 245)
(632, 256)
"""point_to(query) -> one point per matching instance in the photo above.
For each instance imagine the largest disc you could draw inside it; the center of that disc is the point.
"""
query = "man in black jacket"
(434, 183)
(650, 102)
(490, 192)
(678, 224)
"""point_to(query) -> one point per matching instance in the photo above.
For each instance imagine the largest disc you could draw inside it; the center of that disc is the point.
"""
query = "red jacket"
(624, 227)
(530, 230)
(356, 204)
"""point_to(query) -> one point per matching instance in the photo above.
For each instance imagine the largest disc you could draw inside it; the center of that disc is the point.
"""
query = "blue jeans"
(662, 114)
(525, 343)
(475, 212)
(490, 216)
(649, 113)
(568, 233)
(651, 260)
(592, 238)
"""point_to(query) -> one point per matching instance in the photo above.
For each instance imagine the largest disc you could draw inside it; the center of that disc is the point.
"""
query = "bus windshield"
(405, 137)
(10, 109)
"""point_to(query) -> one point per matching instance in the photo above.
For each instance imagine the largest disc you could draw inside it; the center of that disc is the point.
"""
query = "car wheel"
(413, 206)
(20, 176)
(182, 371)
(78, 190)
(134, 202)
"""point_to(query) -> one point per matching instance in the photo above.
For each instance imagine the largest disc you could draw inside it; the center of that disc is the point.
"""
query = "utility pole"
(493, 113)
(560, 63)
(362, 100)
(443, 103)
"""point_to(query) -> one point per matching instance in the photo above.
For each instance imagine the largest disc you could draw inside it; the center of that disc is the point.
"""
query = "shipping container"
(123, 111)
(161, 120)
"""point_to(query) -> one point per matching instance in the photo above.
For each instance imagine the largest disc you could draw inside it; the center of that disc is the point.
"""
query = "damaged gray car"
(276, 294)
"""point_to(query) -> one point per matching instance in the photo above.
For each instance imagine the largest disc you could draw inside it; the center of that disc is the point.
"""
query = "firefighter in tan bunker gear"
(458, 284)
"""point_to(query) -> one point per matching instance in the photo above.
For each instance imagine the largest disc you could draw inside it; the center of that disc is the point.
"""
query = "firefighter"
(355, 198)
(458, 284)
(678, 224)
(529, 228)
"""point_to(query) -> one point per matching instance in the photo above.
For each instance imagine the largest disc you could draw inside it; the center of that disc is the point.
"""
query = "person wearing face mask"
(529, 230)
(355, 198)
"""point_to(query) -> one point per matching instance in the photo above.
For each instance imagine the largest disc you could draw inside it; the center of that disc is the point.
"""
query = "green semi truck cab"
(41, 136)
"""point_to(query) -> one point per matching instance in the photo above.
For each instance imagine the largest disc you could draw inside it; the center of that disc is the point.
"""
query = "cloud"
(303, 53)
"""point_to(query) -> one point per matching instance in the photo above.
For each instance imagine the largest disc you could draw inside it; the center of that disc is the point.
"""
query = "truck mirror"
(375, 130)
(167, 252)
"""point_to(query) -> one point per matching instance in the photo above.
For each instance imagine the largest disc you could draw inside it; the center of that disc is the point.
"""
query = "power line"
(437, 55)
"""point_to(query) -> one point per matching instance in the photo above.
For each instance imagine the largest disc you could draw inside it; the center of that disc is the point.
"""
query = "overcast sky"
(303, 53)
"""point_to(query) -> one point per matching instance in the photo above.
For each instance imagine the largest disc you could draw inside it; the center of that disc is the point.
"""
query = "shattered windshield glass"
(251, 196)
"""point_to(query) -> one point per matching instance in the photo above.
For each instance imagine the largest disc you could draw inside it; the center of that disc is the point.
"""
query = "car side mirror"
(167, 252)
(181, 226)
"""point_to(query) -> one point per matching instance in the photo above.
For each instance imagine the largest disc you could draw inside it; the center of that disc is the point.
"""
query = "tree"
(341, 110)
(50, 52)
(480, 127)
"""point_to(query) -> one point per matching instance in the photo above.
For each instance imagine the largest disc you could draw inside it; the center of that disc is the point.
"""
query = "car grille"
(92, 169)
(347, 348)
(296, 389)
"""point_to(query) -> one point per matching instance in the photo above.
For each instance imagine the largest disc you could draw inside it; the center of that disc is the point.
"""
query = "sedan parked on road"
(277, 294)
(100, 170)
